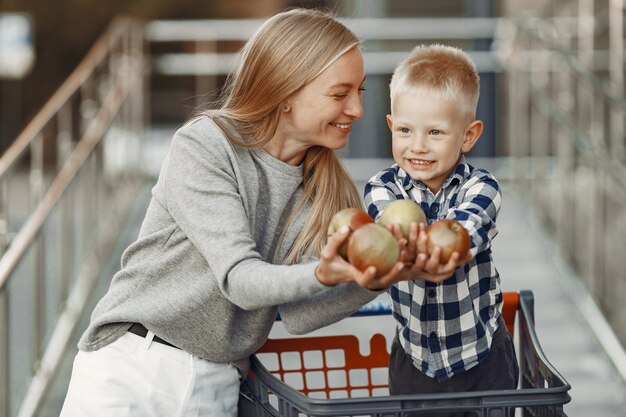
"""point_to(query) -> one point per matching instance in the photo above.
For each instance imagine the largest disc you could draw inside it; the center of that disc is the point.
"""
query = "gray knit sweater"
(200, 274)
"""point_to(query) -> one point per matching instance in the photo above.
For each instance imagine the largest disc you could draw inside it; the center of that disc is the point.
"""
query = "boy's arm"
(480, 201)
(379, 191)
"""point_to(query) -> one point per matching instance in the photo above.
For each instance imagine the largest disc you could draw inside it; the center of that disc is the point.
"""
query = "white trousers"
(137, 377)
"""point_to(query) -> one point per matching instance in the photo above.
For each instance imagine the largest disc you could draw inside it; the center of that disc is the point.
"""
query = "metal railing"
(566, 146)
(66, 184)
(204, 35)
(197, 54)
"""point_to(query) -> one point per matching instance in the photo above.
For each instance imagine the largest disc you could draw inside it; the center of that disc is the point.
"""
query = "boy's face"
(429, 134)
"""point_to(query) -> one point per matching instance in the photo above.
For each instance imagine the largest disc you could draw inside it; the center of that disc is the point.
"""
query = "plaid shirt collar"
(459, 174)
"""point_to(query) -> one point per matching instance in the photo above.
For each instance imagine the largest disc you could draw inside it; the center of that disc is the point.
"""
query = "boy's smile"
(420, 163)
(429, 134)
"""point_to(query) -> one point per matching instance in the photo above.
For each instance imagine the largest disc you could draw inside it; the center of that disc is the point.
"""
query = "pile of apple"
(372, 244)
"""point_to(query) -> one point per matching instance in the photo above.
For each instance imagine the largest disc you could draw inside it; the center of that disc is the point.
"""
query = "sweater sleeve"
(203, 197)
(325, 308)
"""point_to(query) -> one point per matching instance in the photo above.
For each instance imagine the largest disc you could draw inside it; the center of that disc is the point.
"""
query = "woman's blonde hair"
(439, 69)
(287, 52)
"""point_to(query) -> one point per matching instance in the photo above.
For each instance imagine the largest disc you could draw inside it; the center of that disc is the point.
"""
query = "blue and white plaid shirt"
(447, 328)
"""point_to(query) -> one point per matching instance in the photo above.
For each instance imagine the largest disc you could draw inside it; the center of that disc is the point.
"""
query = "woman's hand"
(333, 269)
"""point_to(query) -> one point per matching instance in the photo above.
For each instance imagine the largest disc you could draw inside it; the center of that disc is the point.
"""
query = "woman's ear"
(472, 133)
(286, 106)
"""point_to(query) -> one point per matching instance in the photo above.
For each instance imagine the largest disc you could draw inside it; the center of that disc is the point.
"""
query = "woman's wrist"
(319, 275)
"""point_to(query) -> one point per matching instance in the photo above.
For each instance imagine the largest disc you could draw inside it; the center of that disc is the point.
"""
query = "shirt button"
(434, 209)
(432, 293)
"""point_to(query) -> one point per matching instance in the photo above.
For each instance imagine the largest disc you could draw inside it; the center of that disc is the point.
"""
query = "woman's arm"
(204, 198)
(324, 308)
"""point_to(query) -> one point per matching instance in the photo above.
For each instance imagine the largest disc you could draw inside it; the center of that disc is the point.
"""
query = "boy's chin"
(417, 174)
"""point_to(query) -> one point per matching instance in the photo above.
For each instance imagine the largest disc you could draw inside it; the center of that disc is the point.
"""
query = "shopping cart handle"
(373, 308)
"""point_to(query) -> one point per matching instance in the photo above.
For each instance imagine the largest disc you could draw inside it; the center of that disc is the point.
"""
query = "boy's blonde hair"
(438, 69)
(287, 52)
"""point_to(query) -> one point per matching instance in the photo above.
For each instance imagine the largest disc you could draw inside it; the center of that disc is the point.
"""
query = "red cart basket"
(347, 383)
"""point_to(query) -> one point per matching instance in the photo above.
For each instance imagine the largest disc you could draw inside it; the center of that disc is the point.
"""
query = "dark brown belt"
(139, 330)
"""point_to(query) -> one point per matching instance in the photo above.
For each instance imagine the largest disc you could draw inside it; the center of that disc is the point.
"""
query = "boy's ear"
(472, 133)
(390, 122)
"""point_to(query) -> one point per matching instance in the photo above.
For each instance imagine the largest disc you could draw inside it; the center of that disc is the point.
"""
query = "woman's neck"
(290, 151)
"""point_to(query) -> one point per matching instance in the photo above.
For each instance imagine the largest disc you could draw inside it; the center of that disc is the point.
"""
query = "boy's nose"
(418, 144)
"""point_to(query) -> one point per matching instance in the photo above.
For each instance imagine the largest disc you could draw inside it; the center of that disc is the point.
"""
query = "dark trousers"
(498, 371)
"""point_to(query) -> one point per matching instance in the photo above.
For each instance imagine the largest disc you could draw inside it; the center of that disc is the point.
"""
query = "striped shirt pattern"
(447, 328)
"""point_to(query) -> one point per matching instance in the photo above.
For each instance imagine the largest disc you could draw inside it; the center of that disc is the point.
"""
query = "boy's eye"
(403, 130)
(435, 132)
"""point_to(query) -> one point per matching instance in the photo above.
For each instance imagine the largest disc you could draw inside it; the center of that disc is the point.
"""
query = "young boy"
(450, 334)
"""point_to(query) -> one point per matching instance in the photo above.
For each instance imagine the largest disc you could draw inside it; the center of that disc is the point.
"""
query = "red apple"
(403, 213)
(373, 245)
(354, 218)
(450, 236)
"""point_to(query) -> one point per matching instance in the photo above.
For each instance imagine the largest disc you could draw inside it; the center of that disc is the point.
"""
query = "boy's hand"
(418, 264)
(434, 270)
(408, 246)
(413, 261)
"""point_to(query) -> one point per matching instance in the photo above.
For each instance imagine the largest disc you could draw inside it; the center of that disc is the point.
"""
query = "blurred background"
(91, 93)
(61, 33)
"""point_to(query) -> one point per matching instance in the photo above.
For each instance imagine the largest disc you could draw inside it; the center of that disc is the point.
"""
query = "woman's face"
(321, 113)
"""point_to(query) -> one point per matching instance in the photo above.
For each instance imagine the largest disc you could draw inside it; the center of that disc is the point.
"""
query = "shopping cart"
(362, 380)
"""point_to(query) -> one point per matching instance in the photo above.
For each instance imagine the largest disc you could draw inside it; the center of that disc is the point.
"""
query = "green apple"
(403, 213)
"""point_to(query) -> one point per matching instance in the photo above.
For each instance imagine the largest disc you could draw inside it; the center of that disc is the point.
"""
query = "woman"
(235, 231)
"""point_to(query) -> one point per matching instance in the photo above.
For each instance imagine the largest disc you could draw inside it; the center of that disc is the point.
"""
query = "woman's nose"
(354, 107)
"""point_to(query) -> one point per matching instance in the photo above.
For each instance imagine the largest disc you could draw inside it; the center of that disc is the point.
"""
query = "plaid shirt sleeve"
(476, 205)
(381, 190)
